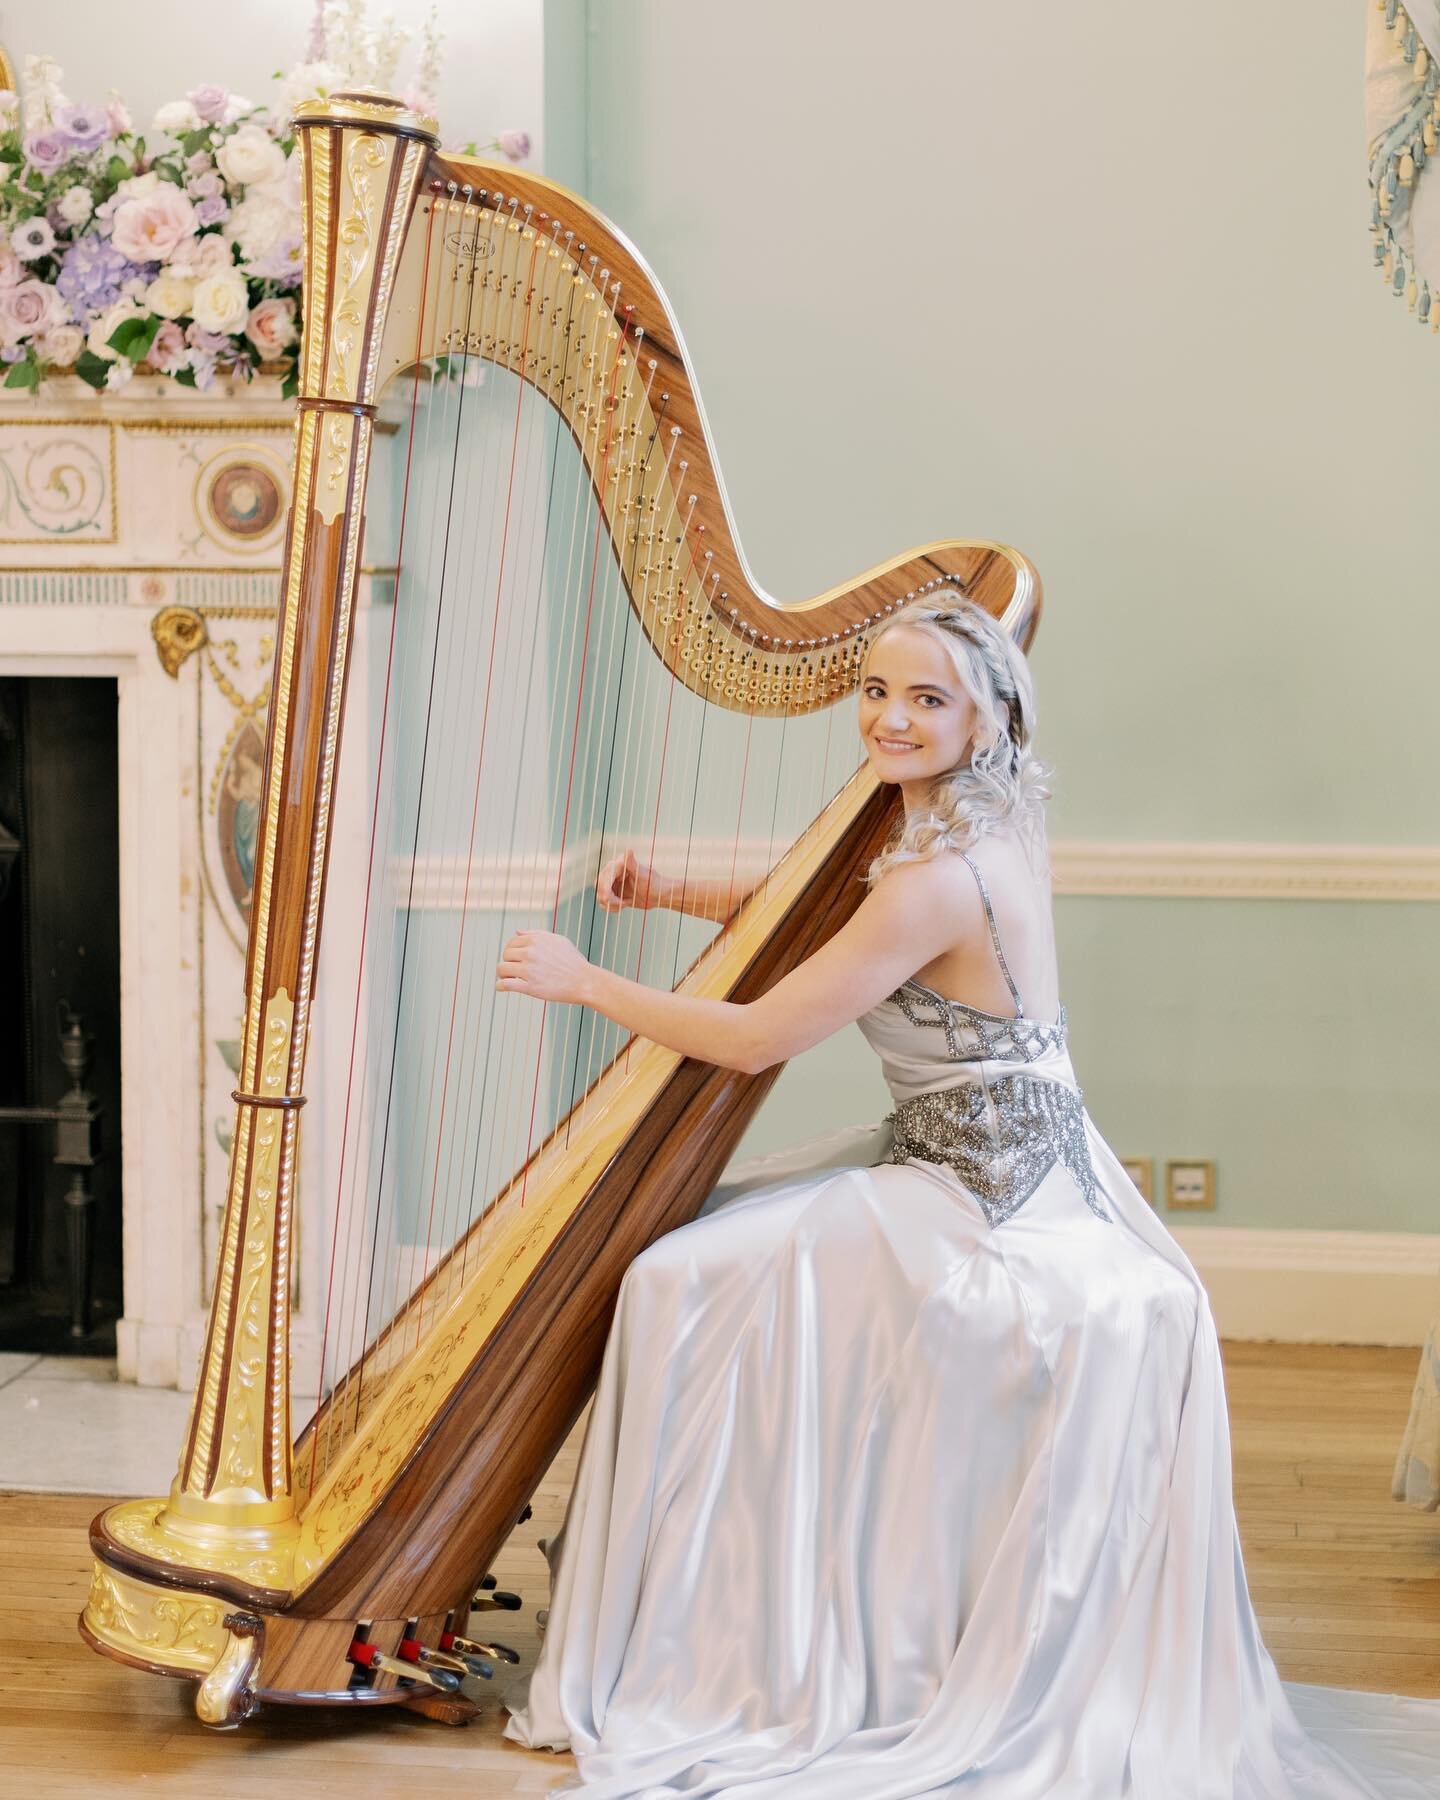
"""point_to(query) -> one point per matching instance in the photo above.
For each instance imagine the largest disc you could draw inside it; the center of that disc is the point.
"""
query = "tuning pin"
(542, 1618)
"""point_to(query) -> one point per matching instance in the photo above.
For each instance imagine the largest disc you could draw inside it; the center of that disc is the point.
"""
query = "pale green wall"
(1096, 281)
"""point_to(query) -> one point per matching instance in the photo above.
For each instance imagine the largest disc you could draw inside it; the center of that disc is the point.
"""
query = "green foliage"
(133, 337)
(24, 374)
(92, 369)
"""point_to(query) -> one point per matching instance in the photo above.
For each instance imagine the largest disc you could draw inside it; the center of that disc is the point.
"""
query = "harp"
(574, 657)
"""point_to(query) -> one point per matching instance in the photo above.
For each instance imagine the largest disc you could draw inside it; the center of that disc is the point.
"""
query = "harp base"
(248, 1563)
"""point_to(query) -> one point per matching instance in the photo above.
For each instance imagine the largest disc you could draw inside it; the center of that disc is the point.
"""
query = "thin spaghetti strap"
(995, 935)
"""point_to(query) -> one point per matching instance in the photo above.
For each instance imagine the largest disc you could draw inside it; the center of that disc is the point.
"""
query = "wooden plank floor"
(1346, 1581)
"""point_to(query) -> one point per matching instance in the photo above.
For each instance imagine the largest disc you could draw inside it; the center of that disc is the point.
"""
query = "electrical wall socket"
(1190, 1185)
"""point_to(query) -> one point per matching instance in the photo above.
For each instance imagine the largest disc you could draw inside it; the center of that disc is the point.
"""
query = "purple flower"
(202, 364)
(212, 210)
(279, 266)
(514, 144)
(203, 342)
(85, 126)
(11, 353)
(91, 274)
(200, 162)
(209, 101)
(48, 149)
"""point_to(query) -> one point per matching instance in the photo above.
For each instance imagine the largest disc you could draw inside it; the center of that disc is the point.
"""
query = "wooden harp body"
(436, 1416)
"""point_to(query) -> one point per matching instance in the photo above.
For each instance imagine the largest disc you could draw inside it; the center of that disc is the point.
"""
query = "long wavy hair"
(1002, 782)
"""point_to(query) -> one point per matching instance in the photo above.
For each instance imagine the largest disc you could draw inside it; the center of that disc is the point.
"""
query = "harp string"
(469, 622)
(596, 1041)
(469, 858)
(589, 1032)
(575, 728)
(408, 986)
(459, 1214)
(373, 1275)
(641, 705)
(530, 625)
(522, 1022)
(335, 1262)
(518, 1025)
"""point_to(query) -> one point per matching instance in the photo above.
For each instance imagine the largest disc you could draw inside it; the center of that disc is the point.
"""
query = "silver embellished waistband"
(1002, 1137)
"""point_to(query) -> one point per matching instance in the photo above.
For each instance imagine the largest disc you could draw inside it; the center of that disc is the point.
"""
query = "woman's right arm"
(626, 881)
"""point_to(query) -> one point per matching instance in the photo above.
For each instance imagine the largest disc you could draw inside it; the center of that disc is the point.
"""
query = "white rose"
(207, 255)
(60, 345)
(177, 116)
(221, 302)
(135, 187)
(119, 373)
(100, 332)
(250, 155)
(169, 295)
(75, 205)
(257, 225)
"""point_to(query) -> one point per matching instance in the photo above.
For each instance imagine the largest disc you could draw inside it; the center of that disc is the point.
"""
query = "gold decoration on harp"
(366, 169)
(243, 1461)
(178, 631)
(179, 1631)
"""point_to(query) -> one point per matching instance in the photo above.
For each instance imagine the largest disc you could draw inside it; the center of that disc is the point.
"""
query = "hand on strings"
(626, 881)
(544, 965)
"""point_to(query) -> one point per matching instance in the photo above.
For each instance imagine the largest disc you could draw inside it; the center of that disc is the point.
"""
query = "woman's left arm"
(907, 919)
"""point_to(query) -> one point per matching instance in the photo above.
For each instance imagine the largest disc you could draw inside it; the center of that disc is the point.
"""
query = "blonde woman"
(908, 1470)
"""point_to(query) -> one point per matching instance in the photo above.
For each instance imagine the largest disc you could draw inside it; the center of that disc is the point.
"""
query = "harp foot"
(226, 1697)
(448, 1709)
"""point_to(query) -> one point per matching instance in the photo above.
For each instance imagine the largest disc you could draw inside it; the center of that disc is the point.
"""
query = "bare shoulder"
(919, 890)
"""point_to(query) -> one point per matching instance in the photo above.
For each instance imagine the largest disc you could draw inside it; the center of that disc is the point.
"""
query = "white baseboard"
(1318, 1287)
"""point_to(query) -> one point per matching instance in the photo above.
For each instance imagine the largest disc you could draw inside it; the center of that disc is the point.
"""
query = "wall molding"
(1155, 870)
(1317, 1287)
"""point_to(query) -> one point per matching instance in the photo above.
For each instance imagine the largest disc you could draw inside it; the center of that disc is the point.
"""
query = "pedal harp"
(574, 658)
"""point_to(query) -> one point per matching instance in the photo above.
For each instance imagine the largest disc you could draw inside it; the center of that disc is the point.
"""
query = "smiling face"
(916, 719)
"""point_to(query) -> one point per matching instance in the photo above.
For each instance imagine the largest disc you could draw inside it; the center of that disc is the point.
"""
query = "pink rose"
(11, 268)
(117, 118)
(152, 227)
(167, 350)
(514, 144)
(29, 307)
(271, 326)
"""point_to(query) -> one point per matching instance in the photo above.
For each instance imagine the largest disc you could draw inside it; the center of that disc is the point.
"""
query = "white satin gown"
(912, 1478)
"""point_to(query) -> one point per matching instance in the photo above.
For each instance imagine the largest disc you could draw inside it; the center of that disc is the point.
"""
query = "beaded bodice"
(1000, 1128)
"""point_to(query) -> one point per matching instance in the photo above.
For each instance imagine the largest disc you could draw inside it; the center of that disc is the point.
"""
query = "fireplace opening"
(60, 1167)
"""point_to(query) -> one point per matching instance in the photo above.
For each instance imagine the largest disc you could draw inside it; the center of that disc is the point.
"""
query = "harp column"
(363, 158)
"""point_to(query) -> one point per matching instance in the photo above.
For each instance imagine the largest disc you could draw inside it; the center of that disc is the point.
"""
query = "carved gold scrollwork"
(180, 1631)
(178, 631)
(367, 159)
(242, 1456)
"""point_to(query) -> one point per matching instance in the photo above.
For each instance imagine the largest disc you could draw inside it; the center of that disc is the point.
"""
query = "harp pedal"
(472, 1655)
(464, 1646)
(366, 1656)
(489, 1598)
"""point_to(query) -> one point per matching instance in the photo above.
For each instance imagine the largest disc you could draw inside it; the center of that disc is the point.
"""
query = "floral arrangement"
(175, 252)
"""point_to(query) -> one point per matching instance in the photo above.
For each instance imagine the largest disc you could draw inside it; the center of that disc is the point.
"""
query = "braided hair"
(1003, 783)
